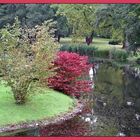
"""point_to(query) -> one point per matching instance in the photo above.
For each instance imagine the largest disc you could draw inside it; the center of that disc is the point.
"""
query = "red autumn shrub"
(70, 69)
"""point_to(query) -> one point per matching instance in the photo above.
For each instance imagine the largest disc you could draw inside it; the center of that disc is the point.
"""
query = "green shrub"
(114, 42)
(22, 62)
(120, 55)
(82, 49)
(138, 61)
(102, 53)
(91, 51)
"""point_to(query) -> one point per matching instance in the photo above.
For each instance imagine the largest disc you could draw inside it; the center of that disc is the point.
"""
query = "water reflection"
(117, 102)
(115, 107)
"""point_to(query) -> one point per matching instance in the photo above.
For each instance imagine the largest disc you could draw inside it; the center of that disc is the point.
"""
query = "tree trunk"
(59, 36)
(124, 41)
(92, 34)
(20, 99)
(90, 38)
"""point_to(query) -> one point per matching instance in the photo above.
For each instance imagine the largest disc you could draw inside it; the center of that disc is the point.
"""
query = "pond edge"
(25, 126)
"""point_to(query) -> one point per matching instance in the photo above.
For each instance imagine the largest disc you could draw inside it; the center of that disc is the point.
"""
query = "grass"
(99, 48)
(100, 43)
(38, 107)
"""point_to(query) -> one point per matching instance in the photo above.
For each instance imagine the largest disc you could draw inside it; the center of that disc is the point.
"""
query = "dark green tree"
(120, 21)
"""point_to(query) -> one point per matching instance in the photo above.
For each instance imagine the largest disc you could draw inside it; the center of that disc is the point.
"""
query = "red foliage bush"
(70, 69)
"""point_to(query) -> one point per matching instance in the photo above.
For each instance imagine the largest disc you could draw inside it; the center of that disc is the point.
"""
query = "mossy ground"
(44, 104)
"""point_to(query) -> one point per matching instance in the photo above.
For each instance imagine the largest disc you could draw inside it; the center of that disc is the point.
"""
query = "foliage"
(36, 14)
(81, 49)
(120, 21)
(23, 61)
(114, 42)
(91, 51)
(103, 53)
(119, 54)
(31, 15)
(28, 14)
(138, 61)
(115, 21)
(63, 28)
(71, 68)
(78, 17)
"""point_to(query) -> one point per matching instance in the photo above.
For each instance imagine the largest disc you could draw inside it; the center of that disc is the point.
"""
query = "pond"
(115, 107)
(116, 102)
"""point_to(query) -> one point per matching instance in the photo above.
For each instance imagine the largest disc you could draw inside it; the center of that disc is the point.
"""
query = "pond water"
(116, 102)
(115, 107)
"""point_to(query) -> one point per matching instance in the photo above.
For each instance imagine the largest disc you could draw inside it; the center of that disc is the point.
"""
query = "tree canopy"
(116, 21)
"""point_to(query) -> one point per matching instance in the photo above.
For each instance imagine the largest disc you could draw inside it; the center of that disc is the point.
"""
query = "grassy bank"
(100, 49)
(93, 51)
(101, 43)
(47, 104)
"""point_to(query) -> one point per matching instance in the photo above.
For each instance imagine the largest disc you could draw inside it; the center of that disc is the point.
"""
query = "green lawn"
(40, 106)
(100, 43)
